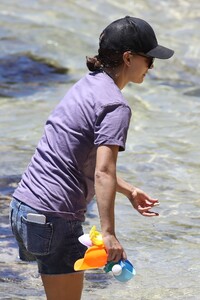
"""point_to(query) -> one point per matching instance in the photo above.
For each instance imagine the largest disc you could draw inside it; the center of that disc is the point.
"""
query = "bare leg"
(63, 287)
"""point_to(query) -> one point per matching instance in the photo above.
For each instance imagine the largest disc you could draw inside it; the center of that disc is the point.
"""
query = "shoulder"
(104, 90)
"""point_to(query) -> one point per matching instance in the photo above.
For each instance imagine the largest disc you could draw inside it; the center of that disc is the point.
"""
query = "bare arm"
(139, 199)
(105, 188)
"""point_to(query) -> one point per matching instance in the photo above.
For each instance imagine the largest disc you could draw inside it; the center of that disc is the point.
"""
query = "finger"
(144, 209)
(150, 214)
(156, 204)
(115, 256)
(152, 203)
(153, 200)
(124, 256)
(111, 256)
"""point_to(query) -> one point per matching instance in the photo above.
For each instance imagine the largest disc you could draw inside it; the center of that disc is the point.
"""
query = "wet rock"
(7, 186)
(24, 74)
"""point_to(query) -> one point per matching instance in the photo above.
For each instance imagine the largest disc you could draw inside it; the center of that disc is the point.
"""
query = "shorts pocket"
(37, 237)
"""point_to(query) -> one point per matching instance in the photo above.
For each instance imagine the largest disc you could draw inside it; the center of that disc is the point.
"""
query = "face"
(138, 67)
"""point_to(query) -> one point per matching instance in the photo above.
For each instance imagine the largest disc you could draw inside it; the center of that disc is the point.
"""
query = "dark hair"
(105, 59)
(93, 63)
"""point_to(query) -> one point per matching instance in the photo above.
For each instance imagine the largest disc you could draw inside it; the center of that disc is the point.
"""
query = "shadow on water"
(23, 74)
(193, 92)
(10, 275)
(97, 279)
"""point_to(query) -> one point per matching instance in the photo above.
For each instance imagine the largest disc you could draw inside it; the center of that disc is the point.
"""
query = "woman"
(76, 158)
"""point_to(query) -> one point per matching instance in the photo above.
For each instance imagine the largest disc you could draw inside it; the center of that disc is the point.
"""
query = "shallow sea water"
(43, 49)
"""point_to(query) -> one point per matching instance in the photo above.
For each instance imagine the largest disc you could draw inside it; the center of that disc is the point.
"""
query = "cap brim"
(160, 52)
(95, 257)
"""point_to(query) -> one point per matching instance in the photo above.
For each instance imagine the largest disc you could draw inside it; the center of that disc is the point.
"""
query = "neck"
(117, 75)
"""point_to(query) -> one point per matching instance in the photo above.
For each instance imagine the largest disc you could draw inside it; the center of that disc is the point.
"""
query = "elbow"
(99, 174)
(105, 173)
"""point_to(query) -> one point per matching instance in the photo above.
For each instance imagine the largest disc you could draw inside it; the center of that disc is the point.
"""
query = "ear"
(127, 58)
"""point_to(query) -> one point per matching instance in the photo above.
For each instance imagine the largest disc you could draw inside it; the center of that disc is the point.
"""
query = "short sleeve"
(112, 125)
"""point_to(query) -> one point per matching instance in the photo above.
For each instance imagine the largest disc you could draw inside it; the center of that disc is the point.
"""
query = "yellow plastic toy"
(95, 256)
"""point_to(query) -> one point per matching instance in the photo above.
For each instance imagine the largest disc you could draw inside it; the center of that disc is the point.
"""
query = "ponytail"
(105, 59)
(93, 63)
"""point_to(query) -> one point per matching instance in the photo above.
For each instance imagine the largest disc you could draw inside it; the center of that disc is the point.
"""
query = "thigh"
(63, 287)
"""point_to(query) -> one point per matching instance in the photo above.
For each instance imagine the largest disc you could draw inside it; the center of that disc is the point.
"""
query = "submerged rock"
(24, 74)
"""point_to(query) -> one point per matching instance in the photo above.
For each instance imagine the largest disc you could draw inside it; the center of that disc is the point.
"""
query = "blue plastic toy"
(96, 257)
(122, 271)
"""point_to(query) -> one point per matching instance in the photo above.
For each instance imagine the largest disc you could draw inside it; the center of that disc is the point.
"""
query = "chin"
(139, 81)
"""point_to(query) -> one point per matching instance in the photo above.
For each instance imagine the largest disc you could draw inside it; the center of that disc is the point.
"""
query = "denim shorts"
(54, 245)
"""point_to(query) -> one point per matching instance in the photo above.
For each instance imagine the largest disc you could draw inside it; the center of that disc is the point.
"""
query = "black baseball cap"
(132, 34)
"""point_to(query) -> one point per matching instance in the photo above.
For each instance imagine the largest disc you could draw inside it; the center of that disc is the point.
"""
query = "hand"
(113, 248)
(143, 203)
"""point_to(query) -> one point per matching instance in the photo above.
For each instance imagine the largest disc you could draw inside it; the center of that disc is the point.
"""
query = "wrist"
(126, 189)
(107, 231)
(132, 193)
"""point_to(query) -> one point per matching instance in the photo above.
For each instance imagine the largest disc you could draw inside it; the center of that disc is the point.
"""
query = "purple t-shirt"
(60, 176)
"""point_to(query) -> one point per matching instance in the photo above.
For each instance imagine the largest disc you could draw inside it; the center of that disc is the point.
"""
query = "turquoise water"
(162, 155)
